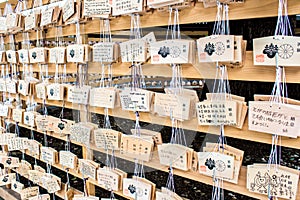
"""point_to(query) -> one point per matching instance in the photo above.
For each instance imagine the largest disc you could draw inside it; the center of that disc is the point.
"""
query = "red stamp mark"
(260, 58)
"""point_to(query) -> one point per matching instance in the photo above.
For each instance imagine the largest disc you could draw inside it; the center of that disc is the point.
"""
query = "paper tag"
(68, 9)
(212, 163)
(173, 154)
(107, 138)
(46, 17)
(67, 159)
(216, 48)
(37, 55)
(75, 53)
(11, 56)
(57, 55)
(96, 8)
(135, 100)
(104, 52)
(108, 179)
(217, 113)
(133, 50)
(23, 56)
(170, 51)
(136, 189)
(121, 7)
(280, 119)
(103, 97)
(285, 48)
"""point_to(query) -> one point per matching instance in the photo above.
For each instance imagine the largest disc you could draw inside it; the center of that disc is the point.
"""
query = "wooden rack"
(194, 14)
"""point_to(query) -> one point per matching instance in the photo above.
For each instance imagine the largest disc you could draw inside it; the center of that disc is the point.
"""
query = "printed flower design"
(210, 163)
(61, 126)
(209, 48)
(175, 52)
(285, 51)
(72, 53)
(132, 189)
(51, 92)
(220, 48)
(34, 55)
(270, 50)
(220, 166)
(164, 51)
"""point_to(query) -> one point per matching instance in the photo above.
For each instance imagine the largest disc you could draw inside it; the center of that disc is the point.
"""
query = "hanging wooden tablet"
(174, 154)
(68, 9)
(12, 21)
(38, 55)
(23, 87)
(274, 118)
(178, 105)
(82, 197)
(29, 118)
(4, 137)
(68, 159)
(88, 168)
(156, 136)
(162, 3)
(50, 183)
(121, 7)
(47, 16)
(2, 85)
(31, 21)
(216, 113)
(49, 155)
(278, 183)
(35, 176)
(103, 97)
(23, 56)
(97, 8)
(40, 197)
(217, 164)
(34, 148)
(136, 99)
(55, 91)
(24, 167)
(63, 126)
(103, 52)
(3, 110)
(81, 133)
(18, 143)
(108, 179)
(107, 138)
(7, 179)
(216, 48)
(137, 189)
(16, 186)
(11, 56)
(17, 115)
(3, 26)
(77, 53)
(9, 161)
(284, 49)
(133, 50)
(80, 95)
(29, 192)
(170, 51)
(39, 169)
(41, 91)
(11, 86)
(57, 55)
